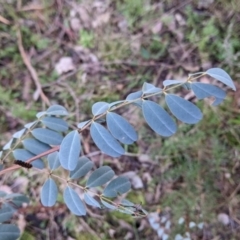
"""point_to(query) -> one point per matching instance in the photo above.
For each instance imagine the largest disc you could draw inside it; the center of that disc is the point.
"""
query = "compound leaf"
(121, 129)
(158, 119)
(100, 176)
(183, 110)
(117, 186)
(57, 110)
(49, 193)
(91, 201)
(34, 146)
(105, 141)
(221, 76)
(73, 202)
(47, 136)
(203, 90)
(9, 232)
(69, 151)
(54, 123)
(53, 160)
(84, 165)
(99, 108)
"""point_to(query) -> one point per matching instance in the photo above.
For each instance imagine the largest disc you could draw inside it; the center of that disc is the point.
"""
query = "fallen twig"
(31, 69)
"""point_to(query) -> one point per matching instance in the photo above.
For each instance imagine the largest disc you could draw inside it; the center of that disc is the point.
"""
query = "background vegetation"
(88, 51)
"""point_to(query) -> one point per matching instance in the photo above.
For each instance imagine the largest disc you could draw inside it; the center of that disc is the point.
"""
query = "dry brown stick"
(30, 68)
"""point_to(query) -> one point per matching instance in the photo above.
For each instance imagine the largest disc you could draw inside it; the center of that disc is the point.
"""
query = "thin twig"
(30, 68)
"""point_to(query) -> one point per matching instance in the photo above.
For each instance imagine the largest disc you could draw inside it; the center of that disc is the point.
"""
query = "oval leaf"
(105, 141)
(56, 124)
(57, 110)
(17, 199)
(221, 76)
(70, 150)
(82, 124)
(84, 165)
(40, 114)
(99, 108)
(148, 88)
(108, 205)
(203, 90)
(34, 146)
(49, 193)
(158, 119)
(47, 136)
(120, 128)
(73, 202)
(8, 144)
(172, 82)
(30, 125)
(100, 176)
(91, 201)
(20, 133)
(183, 110)
(135, 95)
(53, 160)
(24, 155)
(9, 232)
(117, 186)
(6, 213)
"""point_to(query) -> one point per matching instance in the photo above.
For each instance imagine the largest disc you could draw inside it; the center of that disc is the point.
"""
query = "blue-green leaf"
(158, 119)
(100, 176)
(47, 136)
(148, 88)
(53, 160)
(84, 165)
(20, 133)
(9, 232)
(6, 213)
(203, 90)
(116, 187)
(108, 205)
(69, 151)
(91, 201)
(222, 76)
(49, 193)
(172, 82)
(17, 199)
(57, 110)
(73, 202)
(82, 124)
(41, 114)
(99, 108)
(183, 110)
(34, 146)
(115, 103)
(30, 125)
(121, 129)
(8, 144)
(24, 155)
(105, 141)
(135, 95)
(56, 124)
